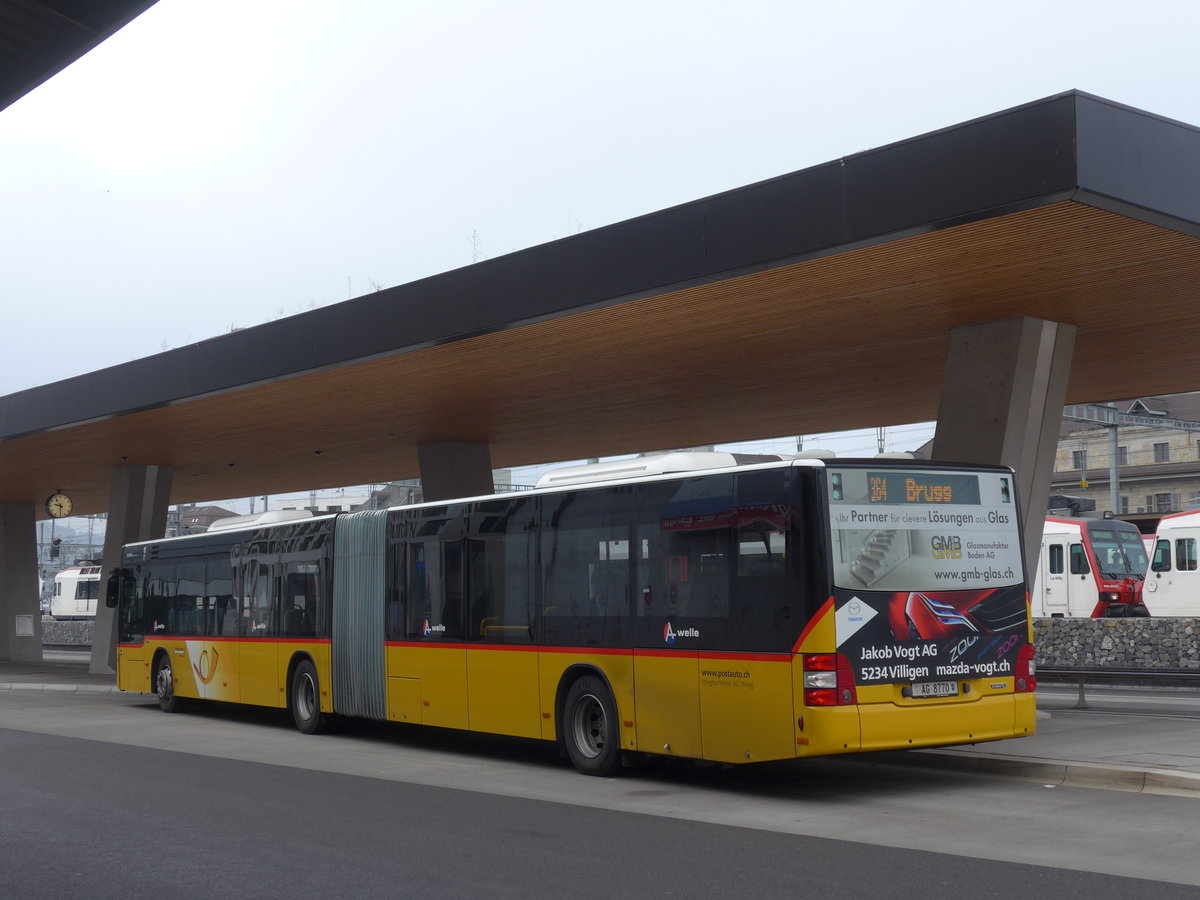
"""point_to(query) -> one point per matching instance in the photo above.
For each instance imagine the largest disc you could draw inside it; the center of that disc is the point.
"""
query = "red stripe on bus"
(601, 651)
(812, 623)
(518, 648)
(665, 653)
(227, 639)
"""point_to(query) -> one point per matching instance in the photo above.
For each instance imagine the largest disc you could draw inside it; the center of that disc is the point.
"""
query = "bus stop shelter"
(982, 275)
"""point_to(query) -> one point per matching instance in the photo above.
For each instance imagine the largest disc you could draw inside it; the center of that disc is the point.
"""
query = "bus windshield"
(1119, 554)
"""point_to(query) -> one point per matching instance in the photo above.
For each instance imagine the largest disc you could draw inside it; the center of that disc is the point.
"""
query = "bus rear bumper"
(886, 726)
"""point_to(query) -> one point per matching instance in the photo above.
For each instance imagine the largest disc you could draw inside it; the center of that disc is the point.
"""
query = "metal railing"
(1082, 676)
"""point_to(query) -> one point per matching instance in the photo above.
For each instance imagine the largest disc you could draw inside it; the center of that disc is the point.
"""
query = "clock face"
(58, 505)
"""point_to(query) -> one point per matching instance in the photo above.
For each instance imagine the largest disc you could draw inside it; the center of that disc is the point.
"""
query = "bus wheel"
(590, 727)
(164, 686)
(306, 699)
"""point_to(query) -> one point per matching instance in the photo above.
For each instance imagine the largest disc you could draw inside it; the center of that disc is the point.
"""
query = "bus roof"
(255, 520)
(640, 466)
(817, 459)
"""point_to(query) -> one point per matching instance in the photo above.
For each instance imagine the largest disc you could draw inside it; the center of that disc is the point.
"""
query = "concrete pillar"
(1002, 400)
(137, 511)
(451, 469)
(20, 606)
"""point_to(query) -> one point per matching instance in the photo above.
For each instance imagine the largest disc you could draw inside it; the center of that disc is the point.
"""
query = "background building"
(1158, 457)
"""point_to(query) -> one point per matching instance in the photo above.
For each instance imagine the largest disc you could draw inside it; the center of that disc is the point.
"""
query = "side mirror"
(113, 590)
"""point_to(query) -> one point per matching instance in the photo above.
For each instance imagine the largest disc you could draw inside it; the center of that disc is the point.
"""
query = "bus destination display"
(919, 487)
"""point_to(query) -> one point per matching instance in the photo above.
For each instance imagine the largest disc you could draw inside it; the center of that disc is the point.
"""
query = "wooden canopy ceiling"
(816, 302)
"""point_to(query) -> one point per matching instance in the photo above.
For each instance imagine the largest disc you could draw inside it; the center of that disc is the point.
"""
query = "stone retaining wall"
(1168, 643)
(65, 633)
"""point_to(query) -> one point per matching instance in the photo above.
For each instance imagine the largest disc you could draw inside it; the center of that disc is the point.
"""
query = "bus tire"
(591, 730)
(164, 685)
(306, 699)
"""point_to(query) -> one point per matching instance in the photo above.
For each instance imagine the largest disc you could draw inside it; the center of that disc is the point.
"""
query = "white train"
(1090, 567)
(1173, 581)
(76, 591)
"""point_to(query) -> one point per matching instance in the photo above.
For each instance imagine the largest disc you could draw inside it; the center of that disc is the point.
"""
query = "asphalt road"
(103, 796)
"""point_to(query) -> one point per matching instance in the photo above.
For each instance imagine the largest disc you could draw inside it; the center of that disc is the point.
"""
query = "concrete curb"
(1052, 772)
(20, 686)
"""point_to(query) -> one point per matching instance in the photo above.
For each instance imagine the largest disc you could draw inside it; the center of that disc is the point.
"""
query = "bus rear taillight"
(1026, 670)
(828, 680)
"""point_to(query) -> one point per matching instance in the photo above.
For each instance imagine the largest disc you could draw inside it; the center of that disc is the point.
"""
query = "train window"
(1056, 559)
(1079, 561)
(1185, 554)
(1162, 557)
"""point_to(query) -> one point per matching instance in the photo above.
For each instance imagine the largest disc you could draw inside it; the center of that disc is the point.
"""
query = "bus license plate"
(935, 689)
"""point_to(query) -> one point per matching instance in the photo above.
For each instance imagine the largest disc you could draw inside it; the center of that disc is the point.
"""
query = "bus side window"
(1185, 554)
(1056, 559)
(1162, 557)
(433, 596)
(258, 606)
(1079, 563)
(498, 571)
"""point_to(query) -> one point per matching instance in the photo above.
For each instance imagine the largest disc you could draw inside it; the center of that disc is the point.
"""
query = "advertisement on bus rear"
(927, 570)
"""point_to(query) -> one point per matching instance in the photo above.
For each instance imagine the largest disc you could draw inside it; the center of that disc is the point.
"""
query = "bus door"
(1052, 576)
(428, 671)
(502, 662)
(746, 694)
(682, 600)
(582, 620)
(258, 651)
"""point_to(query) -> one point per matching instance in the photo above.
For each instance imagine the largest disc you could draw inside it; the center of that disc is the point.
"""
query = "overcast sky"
(222, 163)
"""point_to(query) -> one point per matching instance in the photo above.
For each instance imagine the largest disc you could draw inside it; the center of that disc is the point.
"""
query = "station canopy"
(818, 301)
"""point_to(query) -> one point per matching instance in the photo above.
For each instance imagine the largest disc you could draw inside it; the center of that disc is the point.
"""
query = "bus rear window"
(923, 529)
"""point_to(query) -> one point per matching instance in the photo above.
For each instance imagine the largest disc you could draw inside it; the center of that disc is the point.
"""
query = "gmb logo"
(946, 547)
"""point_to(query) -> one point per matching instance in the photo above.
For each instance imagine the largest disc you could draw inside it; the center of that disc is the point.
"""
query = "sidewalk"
(1152, 754)
(64, 672)
(1142, 754)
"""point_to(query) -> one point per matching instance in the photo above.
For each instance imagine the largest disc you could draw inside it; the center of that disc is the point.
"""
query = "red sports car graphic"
(928, 615)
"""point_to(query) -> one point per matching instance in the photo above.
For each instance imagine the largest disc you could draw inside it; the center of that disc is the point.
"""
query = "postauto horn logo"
(669, 633)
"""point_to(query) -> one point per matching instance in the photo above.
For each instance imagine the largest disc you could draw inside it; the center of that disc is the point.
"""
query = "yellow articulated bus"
(736, 614)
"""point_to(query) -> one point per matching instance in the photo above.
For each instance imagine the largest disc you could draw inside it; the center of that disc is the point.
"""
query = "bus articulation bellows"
(741, 614)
